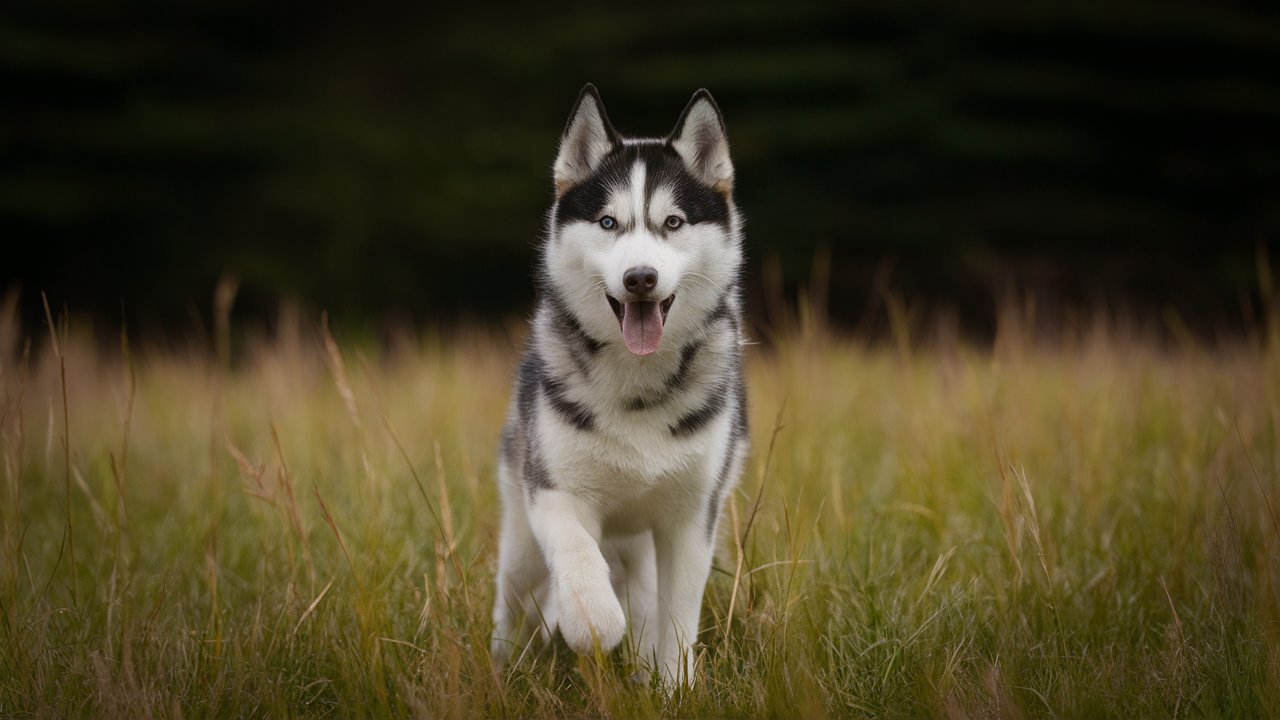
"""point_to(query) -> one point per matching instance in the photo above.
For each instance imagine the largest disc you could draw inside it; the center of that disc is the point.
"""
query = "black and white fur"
(614, 464)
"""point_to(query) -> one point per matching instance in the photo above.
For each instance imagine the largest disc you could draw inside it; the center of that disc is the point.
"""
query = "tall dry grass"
(302, 526)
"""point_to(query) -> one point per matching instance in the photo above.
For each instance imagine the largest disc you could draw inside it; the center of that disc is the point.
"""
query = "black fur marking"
(687, 354)
(713, 506)
(528, 377)
(699, 202)
(673, 384)
(571, 412)
(582, 348)
(636, 404)
(740, 412)
(739, 434)
(720, 311)
(536, 476)
(569, 325)
(698, 419)
(580, 363)
(585, 201)
(507, 445)
(528, 380)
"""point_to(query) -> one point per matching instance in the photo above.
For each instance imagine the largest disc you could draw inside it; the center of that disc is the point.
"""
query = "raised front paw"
(590, 614)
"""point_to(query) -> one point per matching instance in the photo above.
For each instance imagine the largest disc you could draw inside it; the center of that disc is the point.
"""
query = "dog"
(627, 429)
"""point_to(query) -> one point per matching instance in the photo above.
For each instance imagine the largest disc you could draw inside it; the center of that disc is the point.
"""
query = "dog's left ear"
(700, 139)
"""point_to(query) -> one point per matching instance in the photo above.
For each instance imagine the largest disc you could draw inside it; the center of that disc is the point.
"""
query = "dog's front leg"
(568, 531)
(683, 553)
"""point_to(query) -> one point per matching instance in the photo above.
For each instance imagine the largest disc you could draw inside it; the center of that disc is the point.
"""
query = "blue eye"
(608, 223)
(673, 222)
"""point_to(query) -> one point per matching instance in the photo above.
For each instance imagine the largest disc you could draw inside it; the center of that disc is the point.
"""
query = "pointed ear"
(587, 138)
(700, 140)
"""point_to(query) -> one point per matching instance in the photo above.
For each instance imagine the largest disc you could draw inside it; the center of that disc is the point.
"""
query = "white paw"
(589, 615)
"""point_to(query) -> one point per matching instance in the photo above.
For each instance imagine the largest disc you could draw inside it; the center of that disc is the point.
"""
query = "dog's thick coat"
(628, 424)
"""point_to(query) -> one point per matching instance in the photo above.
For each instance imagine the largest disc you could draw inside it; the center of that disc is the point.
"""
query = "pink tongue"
(641, 327)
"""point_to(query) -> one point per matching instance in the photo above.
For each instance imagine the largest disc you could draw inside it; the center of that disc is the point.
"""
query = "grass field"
(1078, 528)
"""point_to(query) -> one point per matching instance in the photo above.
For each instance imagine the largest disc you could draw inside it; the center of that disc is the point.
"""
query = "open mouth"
(641, 322)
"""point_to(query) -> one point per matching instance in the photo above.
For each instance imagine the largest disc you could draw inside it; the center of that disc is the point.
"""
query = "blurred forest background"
(391, 164)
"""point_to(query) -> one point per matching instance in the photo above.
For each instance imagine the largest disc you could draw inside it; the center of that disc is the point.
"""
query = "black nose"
(640, 280)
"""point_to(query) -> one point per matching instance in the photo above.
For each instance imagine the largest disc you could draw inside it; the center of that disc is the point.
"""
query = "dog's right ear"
(700, 140)
(588, 138)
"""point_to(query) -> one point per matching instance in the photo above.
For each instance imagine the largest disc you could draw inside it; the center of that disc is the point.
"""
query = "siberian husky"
(628, 424)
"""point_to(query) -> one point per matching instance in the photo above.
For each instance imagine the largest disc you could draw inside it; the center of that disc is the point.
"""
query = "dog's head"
(644, 236)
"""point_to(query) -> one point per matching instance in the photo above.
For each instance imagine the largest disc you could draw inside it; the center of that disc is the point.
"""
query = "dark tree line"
(395, 161)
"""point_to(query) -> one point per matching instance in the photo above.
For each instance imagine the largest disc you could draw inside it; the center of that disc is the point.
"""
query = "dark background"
(392, 165)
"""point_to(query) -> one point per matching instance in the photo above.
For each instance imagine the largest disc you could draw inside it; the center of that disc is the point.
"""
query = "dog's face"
(644, 236)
